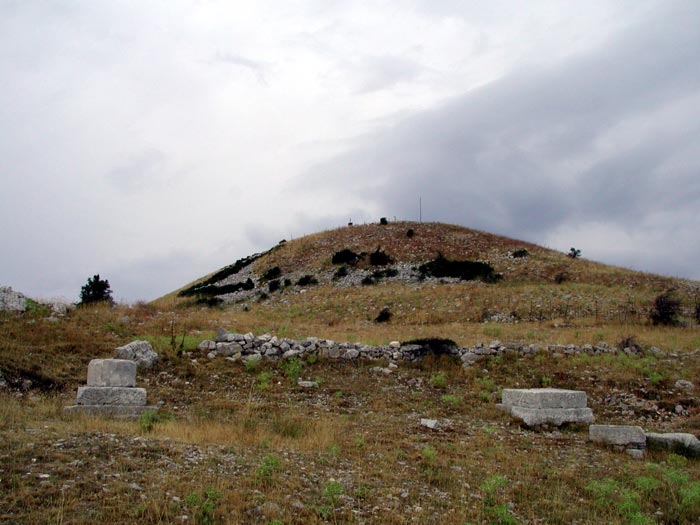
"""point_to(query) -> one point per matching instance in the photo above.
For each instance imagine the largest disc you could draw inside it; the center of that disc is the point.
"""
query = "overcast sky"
(154, 142)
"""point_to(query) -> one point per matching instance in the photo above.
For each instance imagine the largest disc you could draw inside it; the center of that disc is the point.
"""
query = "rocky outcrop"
(11, 301)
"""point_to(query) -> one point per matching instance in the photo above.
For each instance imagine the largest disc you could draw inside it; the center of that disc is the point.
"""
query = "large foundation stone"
(111, 372)
(546, 406)
(111, 391)
(111, 395)
(618, 435)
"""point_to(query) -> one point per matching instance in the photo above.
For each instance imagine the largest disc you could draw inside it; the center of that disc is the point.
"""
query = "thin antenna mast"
(420, 209)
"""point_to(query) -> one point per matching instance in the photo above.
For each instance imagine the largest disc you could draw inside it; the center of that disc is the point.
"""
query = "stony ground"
(249, 446)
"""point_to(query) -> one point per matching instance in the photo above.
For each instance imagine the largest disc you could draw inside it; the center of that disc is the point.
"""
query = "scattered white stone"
(307, 384)
(207, 345)
(432, 424)
(683, 384)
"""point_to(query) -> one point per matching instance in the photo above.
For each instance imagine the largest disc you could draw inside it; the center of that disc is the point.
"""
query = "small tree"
(665, 309)
(574, 253)
(96, 291)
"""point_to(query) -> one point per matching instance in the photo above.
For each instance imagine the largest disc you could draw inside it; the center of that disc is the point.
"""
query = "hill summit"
(405, 251)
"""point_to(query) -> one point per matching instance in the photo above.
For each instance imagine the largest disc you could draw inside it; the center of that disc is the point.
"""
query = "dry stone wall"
(235, 346)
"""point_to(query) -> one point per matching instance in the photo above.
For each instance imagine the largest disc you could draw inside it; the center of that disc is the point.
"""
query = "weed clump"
(464, 270)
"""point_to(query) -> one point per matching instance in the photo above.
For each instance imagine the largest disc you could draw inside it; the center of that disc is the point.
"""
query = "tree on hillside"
(96, 291)
(574, 253)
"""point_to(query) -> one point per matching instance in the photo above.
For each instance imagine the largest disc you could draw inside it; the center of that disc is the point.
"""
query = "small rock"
(432, 424)
(635, 453)
(307, 384)
(683, 384)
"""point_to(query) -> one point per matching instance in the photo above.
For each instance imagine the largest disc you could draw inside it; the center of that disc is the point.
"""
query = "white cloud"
(132, 131)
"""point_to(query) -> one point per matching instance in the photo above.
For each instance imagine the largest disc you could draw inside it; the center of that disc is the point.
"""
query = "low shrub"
(518, 254)
(272, 273)
(213, 290)
(665, 309)
(307, 280)
(274, 285)
(464, 270)
(381, 274)
(384, 316)
(368, 280)
(410, 233)
(433, 345)
(380, 258)
(346, 256)
(341, 272)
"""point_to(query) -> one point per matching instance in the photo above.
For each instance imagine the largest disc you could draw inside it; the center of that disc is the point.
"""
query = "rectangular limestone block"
(623, 435)
(111, 372)
(111, 395)
(534, 417)
(543, 398)
(111, 411)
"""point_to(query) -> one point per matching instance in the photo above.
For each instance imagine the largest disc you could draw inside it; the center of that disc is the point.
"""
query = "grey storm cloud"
(607, 135)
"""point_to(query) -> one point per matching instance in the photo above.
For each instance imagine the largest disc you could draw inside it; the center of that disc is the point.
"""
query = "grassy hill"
(541, 294)
(236, 443)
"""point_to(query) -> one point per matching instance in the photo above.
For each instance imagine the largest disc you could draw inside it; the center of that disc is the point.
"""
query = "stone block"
(680, 443)
(533, 417)
(111, 372)
(111, 395)
(112, 411)
(619, 435)
(543, 398)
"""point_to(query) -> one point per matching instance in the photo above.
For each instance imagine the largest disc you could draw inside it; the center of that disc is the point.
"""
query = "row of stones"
(551, 406)
(635, 440)
(248, 346)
